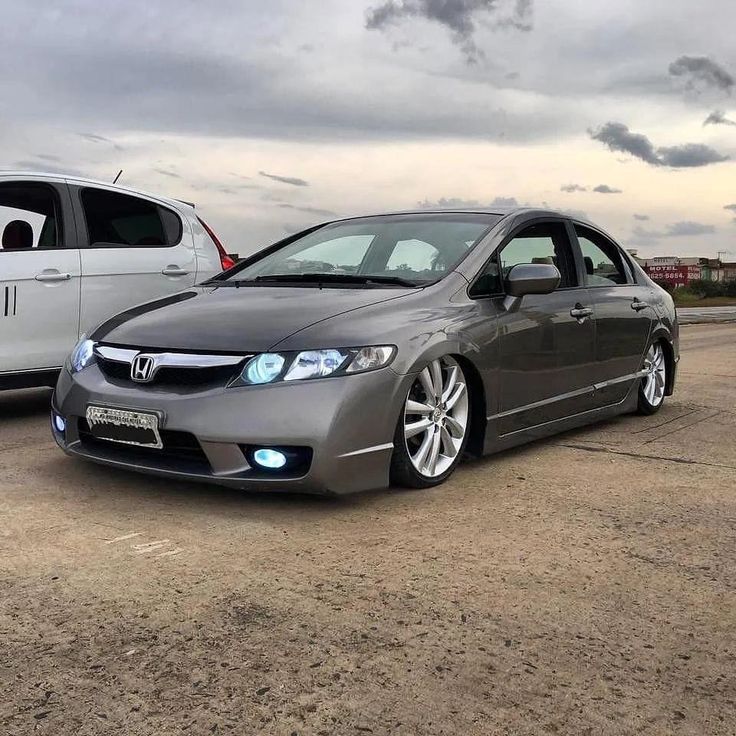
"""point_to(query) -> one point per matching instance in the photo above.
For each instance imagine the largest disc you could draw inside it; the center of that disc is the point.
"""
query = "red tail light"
(225, 259)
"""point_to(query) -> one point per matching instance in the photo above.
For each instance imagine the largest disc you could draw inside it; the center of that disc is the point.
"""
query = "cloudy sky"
(273, 114)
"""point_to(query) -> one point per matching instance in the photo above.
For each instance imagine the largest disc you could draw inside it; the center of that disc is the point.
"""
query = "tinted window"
(543, 243)
(603, 263)
(119, 219)
(29, 217)
(420, 248)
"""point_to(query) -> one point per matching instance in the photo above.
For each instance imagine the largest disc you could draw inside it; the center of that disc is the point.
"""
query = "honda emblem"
(142, 368)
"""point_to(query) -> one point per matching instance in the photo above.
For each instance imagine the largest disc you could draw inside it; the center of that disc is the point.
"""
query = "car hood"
(250, 319)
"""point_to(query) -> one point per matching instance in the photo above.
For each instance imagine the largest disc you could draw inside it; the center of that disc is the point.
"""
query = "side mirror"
(529, 278)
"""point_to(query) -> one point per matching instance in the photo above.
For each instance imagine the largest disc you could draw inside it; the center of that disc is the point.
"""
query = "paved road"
(581, 585)
(696, 315)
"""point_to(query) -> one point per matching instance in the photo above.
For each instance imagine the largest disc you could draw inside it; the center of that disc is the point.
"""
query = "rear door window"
(29, 217)
(115, 219)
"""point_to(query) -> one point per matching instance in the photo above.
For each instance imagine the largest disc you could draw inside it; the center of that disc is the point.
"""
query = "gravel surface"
(580, 585)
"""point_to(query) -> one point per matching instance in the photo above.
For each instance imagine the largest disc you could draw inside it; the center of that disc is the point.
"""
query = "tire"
(652, 386)
(432, 430)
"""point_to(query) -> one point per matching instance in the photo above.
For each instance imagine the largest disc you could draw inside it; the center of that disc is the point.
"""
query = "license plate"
(127, 427)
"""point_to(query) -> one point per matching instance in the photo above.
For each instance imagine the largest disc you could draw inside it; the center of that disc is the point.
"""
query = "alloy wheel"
(436, 417)
(653, 383)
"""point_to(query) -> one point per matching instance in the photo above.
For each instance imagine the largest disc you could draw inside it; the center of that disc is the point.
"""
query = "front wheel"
(652, 388)
(432, 430)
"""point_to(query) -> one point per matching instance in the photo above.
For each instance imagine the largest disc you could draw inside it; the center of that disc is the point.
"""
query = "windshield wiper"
(337, 278)
(216, 282)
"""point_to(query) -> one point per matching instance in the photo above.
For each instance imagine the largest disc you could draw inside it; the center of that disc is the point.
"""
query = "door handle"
(174, 271)
(50, 277)
(637, 305)
(581, 313)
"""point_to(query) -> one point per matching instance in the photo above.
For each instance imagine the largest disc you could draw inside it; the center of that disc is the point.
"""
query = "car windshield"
(404, 250)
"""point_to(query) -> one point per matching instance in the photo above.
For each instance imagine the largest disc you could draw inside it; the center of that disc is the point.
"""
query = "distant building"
(672, 270)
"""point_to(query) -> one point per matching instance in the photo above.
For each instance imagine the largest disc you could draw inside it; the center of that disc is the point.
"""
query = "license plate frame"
(125, 423)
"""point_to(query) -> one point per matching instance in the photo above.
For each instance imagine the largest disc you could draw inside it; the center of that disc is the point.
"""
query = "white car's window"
(28, 217)
(119, 219)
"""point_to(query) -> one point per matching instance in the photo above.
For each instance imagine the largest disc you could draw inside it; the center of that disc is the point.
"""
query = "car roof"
(76, 179)
(496, 211)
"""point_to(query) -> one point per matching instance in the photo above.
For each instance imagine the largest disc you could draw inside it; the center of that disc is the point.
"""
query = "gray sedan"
(374, 350)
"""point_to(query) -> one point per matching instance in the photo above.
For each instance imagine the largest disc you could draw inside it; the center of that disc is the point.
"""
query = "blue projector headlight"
(263, 368)
(82, 355)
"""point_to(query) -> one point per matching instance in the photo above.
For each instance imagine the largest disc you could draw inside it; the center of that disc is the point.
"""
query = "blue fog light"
(272, 459)
(59, 423)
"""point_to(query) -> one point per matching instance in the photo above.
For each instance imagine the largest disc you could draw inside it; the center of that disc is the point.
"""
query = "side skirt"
(497, 443)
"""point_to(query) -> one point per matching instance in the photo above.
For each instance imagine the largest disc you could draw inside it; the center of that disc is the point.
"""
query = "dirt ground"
(581, 585)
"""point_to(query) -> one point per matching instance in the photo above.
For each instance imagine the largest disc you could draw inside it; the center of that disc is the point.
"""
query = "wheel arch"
(477, 429)
(662, 336)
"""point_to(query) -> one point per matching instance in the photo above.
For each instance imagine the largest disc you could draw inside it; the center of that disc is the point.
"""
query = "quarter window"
(119, 219)
(29, 217)
(603, 263)
(545, 242)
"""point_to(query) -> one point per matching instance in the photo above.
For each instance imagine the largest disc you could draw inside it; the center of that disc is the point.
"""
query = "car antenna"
(115, 180)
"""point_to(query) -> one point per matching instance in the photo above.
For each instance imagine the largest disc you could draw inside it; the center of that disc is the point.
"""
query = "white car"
(74, 252)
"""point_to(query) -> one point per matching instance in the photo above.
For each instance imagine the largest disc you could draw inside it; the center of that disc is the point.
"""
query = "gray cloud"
(605, 189)
(704, 70)
(293, 180)
(618, 137)
(731, 207)
(455, 203)
(718, 117)
(686, 228)
(459, 17)
(166, 172)
(641, 218)
(573, 188)
(308, 210)
(679, 229)
(689, 155)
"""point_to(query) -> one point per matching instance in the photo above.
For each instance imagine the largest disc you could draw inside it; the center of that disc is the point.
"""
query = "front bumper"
(348, 422)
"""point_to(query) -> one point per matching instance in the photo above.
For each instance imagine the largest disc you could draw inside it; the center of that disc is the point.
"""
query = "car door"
(546, 344)
(134, 249)
(39, 276)
(623, 316)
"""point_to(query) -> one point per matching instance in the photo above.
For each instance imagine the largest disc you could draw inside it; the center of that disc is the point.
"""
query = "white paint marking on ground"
(124, 537)
(171, 552)
(140, 549)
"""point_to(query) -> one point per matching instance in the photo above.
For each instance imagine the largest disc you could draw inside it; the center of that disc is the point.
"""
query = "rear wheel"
(652, 388)
(432, 430)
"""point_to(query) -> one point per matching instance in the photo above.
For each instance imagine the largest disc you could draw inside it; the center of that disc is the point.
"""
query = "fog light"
(272, 459)
(59, 423)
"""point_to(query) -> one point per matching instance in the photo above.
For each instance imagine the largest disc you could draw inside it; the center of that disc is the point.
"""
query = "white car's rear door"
(134, 249)
(39, 276)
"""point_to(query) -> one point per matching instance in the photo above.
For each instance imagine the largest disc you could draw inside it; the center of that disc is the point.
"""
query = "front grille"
(169, 376)
(178, 447)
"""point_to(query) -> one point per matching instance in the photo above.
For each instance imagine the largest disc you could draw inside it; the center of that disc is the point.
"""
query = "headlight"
(269, 367)
(366, 359)
(82, 355)
(315, 364)
(263, 368)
